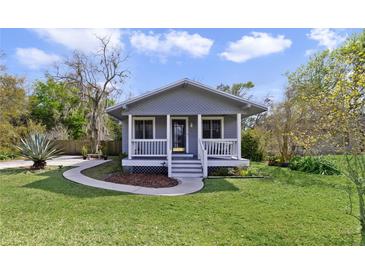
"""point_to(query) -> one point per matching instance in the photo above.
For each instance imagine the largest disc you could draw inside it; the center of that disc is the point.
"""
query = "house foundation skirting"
(146, 169)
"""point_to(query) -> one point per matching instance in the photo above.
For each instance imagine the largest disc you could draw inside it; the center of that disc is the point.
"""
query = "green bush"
(7, 155)
(84, 151)
(250, 147)
(316, 165)
(222, 171)
(236, 171)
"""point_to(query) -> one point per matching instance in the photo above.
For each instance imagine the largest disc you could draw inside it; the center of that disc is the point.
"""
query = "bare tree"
(99, 77)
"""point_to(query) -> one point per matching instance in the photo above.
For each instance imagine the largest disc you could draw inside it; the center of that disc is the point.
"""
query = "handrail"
(203, 158)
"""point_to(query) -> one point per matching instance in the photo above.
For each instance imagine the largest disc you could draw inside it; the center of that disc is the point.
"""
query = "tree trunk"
(362, 214)
(284, 151)
(40, 164)
(95, 142)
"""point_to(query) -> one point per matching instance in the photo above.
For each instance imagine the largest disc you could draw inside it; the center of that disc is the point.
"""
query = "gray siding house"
(184, 129)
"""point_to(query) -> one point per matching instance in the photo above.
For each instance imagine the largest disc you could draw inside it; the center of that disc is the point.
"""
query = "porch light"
(191, 124)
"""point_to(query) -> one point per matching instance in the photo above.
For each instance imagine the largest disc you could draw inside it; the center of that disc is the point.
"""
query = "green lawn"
(292, 208)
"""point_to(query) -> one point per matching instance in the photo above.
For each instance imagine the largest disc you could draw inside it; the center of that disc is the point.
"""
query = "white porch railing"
(149, 147)
(203, 156)
(220, 147)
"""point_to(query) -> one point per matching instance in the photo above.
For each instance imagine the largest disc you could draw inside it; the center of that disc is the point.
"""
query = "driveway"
(65, 160)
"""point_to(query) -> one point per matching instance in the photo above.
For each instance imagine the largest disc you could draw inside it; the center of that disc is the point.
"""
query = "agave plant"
(39, 149)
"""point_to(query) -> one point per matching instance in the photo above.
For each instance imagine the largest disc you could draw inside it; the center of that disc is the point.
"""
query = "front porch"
(212, 141)
(178, 167)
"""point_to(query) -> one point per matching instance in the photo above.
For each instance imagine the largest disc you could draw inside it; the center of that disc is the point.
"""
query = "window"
(143, 128)
(212, 128)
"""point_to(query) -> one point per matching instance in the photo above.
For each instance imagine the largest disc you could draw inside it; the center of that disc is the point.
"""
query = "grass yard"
(292, 208)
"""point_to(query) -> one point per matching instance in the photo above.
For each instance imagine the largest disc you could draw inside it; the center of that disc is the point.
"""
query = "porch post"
(129, 136)
(168, 146)
(199, 134)
(168, 132)
(239, 135)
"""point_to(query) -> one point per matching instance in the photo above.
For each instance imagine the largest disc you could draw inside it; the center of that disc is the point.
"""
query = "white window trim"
(186, 131)
(221, 118)
(153, 119)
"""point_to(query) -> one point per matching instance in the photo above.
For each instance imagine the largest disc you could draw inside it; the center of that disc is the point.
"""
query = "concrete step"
(190, 175)
(182, 155)
(186, 161)
(186, 165)
(187, 170)
(190, 167)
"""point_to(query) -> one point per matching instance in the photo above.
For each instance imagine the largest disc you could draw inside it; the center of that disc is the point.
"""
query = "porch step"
(187, 175)
(180, 166)
(180, 155)
(185, 161)
(186, 168)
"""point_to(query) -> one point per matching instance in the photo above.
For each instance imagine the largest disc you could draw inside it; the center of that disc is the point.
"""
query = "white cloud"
(326, 38)
(171, 43)
(310, 52)
(35, 58)
(84, 40)
(255, 45)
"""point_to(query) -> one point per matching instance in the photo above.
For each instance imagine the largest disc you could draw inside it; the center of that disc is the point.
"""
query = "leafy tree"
(57, 104)
(241, 90)
(237, 89)
(330, 92)
(76, 123)
(14, 115)
(250, 146)
(282, 125)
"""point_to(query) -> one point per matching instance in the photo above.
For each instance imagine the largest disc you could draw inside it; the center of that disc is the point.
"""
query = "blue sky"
(160, 56)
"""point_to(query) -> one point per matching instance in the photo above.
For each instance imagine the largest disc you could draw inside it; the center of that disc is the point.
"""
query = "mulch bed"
(145, 180)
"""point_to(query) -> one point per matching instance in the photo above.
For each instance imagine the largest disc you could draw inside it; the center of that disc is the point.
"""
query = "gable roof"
(184, 82)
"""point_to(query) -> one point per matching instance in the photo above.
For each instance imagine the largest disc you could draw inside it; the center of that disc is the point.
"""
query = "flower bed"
(144, 180)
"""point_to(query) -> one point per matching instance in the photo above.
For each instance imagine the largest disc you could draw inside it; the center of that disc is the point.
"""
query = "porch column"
(168, 132)
(168, 146)
(238, 135)
(199, 134)
(129, 136)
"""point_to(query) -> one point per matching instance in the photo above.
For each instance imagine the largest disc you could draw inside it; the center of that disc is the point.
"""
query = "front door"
(178, 135)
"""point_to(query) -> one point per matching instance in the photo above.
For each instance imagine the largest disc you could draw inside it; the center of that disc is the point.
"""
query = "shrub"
(316, 165)
(222, 171)
(245, 172)
(235, 171)
(84, 151)
(39, 149)
(250, 147)
(273, 161)
(6, 155)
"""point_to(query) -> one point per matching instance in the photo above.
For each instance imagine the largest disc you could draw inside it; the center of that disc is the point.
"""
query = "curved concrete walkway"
(65, 160)
(185, 186)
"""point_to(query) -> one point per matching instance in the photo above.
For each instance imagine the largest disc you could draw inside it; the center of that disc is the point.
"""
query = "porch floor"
(195, 157)
(162, 161)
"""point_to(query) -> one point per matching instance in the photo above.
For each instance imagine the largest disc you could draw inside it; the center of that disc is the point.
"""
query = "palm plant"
(39, 149)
